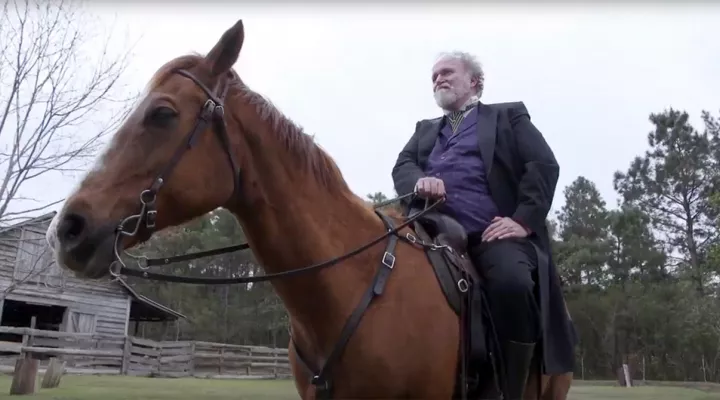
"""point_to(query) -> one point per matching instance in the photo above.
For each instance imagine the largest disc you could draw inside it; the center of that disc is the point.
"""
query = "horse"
(200, 139)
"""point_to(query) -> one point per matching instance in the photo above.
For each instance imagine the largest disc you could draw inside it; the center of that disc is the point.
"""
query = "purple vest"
(457, 161)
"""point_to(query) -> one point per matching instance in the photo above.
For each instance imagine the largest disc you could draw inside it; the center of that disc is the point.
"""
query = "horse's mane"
(295, 141)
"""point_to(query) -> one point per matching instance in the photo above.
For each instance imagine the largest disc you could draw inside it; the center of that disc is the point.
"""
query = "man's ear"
(226, 51)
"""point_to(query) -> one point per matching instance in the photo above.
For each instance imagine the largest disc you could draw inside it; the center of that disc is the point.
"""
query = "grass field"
(122, 387)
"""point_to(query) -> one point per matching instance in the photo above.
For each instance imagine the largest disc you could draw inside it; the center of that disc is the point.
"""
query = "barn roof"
(30, 221)
(142, 308)
(146, 309)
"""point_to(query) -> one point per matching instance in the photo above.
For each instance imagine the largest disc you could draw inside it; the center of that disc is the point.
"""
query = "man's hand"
(503, 228)
(430, 188)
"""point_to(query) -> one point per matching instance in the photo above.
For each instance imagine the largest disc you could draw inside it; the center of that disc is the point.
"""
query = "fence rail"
(128, 355)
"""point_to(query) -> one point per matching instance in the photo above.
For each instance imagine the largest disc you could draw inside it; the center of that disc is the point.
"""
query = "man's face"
(452, 85)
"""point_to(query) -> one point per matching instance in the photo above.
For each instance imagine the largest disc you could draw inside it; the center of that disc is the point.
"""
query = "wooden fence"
(127, 355)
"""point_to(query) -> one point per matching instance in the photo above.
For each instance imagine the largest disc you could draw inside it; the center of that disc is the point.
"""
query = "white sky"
(359, 78)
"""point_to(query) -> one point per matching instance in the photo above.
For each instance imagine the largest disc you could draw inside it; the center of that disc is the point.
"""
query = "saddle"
(445, 229)
(462, 286)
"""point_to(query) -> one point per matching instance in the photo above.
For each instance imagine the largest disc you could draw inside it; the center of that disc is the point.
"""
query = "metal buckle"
(388, 260)
(412, 239)
(208, 109)
(151, 217)
(319, 383)
(462, 285)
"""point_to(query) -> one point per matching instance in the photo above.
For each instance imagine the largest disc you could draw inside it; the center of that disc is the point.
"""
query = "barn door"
(79, 322)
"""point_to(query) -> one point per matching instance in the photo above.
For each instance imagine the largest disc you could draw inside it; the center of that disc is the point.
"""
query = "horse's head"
(169, 162)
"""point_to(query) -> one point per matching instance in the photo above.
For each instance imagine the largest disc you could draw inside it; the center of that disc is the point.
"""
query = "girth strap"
(320, 378)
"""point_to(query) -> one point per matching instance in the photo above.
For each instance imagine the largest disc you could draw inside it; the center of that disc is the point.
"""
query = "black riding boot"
(517, 357)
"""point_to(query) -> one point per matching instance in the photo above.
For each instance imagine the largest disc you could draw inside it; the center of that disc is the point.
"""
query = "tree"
(243, 313)
(54, 88)
(583, 222)
(378, 198)
(672, 183)
(635, 253)
(32, 259)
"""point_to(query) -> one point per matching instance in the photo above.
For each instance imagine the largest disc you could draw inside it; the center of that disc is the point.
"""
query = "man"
(498, 177)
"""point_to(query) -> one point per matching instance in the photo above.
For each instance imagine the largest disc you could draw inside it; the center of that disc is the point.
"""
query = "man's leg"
(507, 266)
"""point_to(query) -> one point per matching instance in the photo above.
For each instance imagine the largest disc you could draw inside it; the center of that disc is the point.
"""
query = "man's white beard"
(445, 98)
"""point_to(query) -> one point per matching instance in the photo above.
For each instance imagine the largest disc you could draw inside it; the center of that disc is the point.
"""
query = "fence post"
(158, 347)
(644, 369)
(221, 360)
(191, 364)
(275, 361)
(248, 369)
(53, 374)
(127, 352)
(26, 367)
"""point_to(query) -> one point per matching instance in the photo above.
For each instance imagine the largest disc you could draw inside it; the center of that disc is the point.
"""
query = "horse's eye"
(161, 116)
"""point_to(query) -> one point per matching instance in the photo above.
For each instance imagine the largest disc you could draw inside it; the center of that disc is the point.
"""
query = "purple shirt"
(457, 161)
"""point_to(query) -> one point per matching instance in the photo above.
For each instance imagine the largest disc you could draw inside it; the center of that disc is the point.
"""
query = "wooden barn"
(32, 284)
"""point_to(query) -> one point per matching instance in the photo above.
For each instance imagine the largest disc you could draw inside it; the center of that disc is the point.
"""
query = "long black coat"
(522, 176)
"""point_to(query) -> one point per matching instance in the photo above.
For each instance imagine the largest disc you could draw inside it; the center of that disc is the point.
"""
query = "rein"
(213, 113)
(118, 267)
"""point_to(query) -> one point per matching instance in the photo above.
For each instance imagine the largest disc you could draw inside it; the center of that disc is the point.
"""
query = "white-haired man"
(498, 176)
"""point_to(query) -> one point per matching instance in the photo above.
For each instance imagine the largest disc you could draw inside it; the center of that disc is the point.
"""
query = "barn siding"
(106, 300)
(8, 252)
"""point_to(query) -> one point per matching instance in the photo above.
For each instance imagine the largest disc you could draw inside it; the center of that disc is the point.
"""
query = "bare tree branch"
(40, 266)
(60, 95)
(22, 214)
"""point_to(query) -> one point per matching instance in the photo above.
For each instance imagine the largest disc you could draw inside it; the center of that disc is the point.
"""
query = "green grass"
(75, 387)
(588, 392)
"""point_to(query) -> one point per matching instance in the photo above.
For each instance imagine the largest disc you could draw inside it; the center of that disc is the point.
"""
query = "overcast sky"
(359, 78)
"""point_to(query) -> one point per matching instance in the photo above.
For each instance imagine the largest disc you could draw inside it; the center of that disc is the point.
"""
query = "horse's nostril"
(71, 228)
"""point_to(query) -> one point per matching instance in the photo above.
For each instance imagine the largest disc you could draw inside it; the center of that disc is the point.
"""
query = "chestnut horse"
(201, 139)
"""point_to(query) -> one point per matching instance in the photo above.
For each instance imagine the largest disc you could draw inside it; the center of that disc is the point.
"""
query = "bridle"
(212, 114)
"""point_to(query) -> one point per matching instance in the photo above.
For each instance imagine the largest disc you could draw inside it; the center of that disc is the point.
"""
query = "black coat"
(522, 177)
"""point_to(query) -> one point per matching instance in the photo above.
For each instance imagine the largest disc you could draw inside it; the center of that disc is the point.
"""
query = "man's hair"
(473, 66)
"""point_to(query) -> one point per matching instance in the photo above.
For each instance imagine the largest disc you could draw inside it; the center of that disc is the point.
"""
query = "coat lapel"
(487, 133)
(427, 141)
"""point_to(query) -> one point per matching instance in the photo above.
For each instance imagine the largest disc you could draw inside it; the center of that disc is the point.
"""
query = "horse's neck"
(297, 218)
(301, 230)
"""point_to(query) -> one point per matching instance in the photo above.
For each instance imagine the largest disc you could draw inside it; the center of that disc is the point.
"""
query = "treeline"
(641, 278)
(240, 314)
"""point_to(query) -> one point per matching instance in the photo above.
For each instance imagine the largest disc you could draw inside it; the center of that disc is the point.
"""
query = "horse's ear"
(226, 51)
